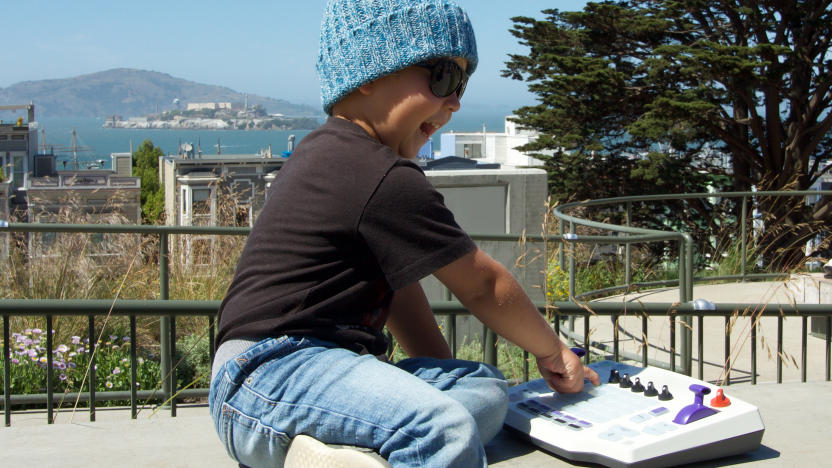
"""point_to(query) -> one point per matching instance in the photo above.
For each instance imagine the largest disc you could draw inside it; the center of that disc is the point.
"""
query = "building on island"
(197, 106)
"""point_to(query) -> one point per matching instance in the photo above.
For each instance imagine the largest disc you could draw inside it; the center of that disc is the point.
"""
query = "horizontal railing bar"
(662, 308)
(613, 227)
(217, 230)
(71, 397)
(612, 239)
(141, 308)
(124, 228)
(66, 307)
(683, 196)
(748, 276)
(675, 282)
(620, 287)
(559, 210)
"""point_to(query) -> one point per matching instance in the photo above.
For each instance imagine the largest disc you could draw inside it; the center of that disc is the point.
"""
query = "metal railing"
(632, 235)
(169, 310)
(176, 308)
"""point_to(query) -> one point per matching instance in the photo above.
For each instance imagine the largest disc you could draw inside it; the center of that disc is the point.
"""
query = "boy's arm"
(490, 292)
(412, 323)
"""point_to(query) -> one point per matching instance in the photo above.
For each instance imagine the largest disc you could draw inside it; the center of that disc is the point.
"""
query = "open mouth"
(429, 128)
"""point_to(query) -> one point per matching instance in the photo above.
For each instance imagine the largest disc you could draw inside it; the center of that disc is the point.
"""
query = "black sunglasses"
(446, 77)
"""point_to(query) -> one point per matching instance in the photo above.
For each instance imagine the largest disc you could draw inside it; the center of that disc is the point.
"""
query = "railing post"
(50, 396)
(164, 322)
(91, 332)
(627, 273)
(490, 355)
(685, 345)
(7, 376)
(172, 376)
(561, 253)
(828, 346)
(744, 235)
(571, 236)
(688, 332)
(754, 349)
(682, 272)
(133, 368)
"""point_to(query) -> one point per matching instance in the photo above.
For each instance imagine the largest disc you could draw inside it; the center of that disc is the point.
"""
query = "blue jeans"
(420, 412)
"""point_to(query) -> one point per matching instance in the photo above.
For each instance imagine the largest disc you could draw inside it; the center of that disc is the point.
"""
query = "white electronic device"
(637, 417)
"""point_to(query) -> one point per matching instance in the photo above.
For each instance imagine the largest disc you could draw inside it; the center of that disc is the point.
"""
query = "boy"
(350, 227)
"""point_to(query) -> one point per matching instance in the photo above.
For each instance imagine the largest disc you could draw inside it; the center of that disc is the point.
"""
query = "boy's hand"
(564, 372)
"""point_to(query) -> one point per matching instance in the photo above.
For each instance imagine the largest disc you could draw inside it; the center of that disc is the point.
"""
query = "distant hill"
(129, 93)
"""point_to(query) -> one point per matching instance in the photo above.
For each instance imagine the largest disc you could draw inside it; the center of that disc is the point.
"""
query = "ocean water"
(95, 143)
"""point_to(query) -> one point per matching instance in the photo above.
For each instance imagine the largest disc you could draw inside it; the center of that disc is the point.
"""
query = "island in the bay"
(214, 116)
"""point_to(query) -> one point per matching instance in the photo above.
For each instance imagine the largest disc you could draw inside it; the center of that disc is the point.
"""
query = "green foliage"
(194, 367)
(557, 279)
(592, 276)
(2, 175)
(146, 166)
(71, 363)
(625, 78)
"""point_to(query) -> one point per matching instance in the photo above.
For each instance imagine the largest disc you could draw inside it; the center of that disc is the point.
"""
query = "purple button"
(658, 411)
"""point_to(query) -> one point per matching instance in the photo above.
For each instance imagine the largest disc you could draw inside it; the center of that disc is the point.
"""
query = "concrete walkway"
(797, 418)
(808, 289)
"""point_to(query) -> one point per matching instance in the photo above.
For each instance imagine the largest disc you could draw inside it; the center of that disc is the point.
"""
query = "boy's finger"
(590, 374)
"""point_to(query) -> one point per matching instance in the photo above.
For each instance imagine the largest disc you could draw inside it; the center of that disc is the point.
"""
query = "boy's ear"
(367, 88)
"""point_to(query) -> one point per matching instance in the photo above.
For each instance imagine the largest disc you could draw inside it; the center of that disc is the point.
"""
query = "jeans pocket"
(250, 442)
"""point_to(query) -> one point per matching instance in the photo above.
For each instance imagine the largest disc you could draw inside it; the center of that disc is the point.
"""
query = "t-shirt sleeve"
(409, 229)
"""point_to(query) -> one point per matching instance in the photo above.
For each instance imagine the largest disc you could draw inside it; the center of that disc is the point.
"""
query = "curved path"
(802, 289)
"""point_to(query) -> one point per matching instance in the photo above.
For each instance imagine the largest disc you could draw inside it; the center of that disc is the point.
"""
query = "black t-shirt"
(346, 223)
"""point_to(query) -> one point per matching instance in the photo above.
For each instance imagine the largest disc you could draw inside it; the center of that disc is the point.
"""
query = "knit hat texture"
(363, 40)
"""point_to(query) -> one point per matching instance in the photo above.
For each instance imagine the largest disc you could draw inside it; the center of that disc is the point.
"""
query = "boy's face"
(406, 112)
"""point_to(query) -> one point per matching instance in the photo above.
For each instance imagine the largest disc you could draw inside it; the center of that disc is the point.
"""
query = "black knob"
(650, 390)
(637, 386)
(665, 394)
(625, 381)
(614, 377)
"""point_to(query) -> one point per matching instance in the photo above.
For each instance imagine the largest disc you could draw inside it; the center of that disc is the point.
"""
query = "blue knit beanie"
(362, 40)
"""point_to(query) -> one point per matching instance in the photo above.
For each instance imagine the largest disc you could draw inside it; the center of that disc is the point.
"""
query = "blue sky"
(260, 47)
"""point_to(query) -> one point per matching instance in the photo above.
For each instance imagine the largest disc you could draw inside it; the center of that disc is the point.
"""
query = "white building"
(492, 147)
(208, 106)
(213, 190)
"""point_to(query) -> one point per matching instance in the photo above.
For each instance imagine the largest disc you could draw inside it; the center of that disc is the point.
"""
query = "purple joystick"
(578, 352)
(697, 410)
